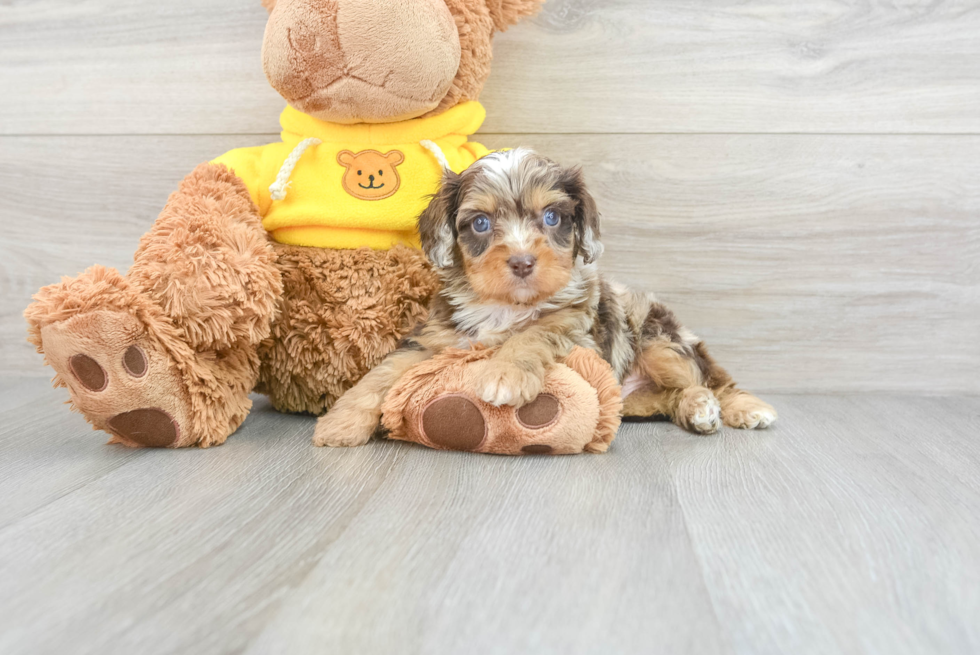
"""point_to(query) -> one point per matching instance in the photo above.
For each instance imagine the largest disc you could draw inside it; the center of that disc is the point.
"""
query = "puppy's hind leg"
(355, 416)
(678, 389)
(739, 408)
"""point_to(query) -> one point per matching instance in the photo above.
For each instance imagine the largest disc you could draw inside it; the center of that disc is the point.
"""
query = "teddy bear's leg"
(700, 403)
(345, 310)
(166, 356)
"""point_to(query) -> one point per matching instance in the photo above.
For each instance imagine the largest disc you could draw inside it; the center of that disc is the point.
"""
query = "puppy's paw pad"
(749, 413)
(503, 383)
(756, 420)
(700, 412)
(344, 429)
(707, 419)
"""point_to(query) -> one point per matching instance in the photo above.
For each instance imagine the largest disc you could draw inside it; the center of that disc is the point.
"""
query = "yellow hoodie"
(328, 185)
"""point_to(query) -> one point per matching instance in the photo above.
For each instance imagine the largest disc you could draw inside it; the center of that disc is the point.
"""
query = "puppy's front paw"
(342, 428)
(504, 383)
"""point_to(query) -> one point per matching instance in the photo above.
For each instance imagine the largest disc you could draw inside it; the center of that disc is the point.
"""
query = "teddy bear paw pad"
(148, 427)
(454, 422)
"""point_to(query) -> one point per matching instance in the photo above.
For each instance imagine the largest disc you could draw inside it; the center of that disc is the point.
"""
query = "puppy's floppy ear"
(509, 12)
(437, 224)
(586, 217)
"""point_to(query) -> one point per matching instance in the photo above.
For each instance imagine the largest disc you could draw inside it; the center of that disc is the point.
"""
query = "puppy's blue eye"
(481, 224)
(551, 218)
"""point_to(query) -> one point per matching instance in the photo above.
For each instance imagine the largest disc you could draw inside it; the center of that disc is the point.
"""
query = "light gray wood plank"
(808, 263)
(828, 263)
(132, 67)
(459, 554)
(16, 392)
(851, 528)
(48, 451)
(387, 548)
(176, 551)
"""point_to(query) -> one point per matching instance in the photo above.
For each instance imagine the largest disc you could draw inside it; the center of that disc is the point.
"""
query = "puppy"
(515, 238)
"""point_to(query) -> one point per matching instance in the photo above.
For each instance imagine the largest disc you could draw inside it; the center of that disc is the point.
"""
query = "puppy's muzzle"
(522, 265)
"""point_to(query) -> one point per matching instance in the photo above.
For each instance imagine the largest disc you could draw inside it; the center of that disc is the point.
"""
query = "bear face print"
(371, 175)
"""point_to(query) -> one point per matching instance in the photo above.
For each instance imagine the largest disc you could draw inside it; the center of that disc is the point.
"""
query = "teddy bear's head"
(378, 61)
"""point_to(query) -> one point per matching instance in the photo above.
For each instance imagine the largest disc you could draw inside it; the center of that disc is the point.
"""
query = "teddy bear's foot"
(127, 366)
(457, 422)
(120, 379)
(436, 405)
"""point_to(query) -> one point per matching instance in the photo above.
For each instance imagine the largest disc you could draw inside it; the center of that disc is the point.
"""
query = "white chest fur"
(491, 325)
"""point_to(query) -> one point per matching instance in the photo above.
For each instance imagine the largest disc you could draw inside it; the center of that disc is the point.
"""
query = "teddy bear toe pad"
(540, 412)
(88, 372)
(457, 422)
(151, 427)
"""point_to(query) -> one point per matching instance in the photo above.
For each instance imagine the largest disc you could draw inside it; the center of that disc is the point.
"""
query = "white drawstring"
(436, 151)
(278, 188)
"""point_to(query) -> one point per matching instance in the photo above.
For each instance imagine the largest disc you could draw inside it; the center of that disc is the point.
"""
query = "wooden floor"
(850, 527)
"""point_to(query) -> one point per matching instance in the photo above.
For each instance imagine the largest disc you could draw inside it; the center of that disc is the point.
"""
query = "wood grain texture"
(190, 67)
(849, 527)
(873, 501)
(808, 263)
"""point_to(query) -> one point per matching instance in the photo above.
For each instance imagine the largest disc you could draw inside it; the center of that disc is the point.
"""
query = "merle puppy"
(515, 239)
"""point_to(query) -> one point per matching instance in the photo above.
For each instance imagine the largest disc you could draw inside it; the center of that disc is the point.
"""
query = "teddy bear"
(289, 269)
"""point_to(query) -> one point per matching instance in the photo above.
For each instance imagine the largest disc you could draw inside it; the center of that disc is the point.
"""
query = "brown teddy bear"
(289, 269)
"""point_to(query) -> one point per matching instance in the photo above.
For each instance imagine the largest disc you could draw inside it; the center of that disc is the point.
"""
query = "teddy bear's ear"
(345, 157)
(269, 5)
(394, 157)
(509, 12)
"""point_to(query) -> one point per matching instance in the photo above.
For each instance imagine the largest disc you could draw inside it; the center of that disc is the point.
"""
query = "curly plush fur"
(342, 312)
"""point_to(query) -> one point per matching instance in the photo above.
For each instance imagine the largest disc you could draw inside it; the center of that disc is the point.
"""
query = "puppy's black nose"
(522, 265)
